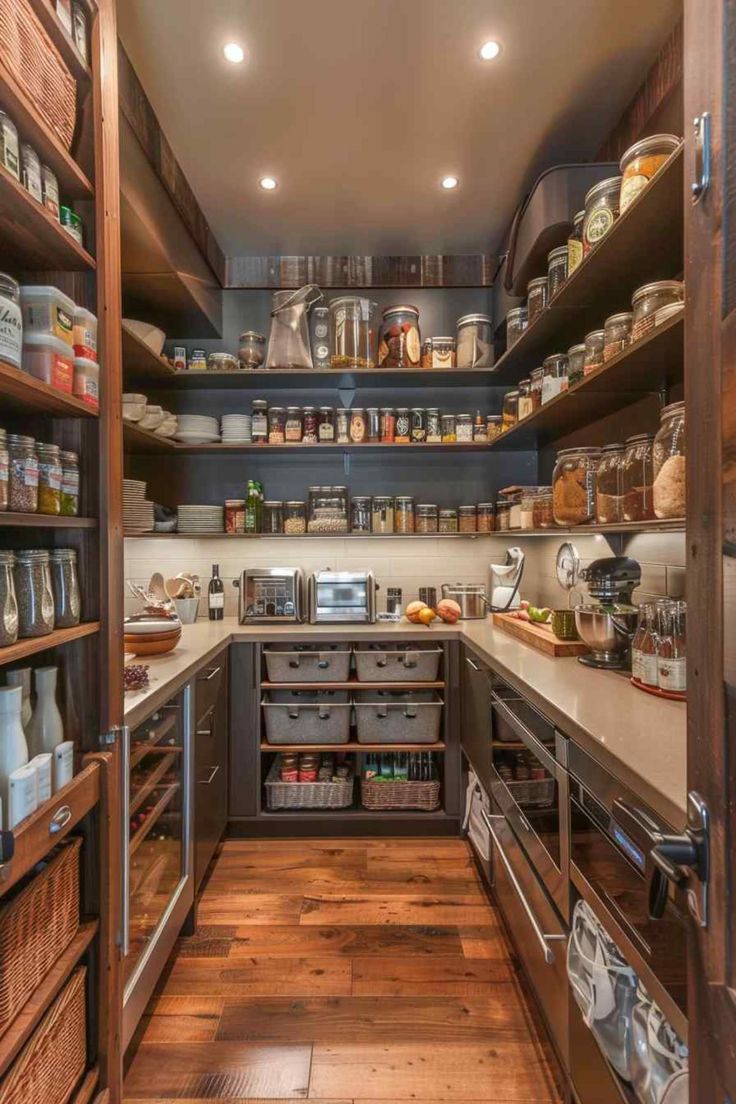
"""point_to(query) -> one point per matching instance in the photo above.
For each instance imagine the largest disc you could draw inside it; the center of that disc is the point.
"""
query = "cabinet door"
(475, 682)
(210, 766)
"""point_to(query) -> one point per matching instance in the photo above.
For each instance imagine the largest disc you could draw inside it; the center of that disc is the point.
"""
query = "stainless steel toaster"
(342, 596)
(270, 594)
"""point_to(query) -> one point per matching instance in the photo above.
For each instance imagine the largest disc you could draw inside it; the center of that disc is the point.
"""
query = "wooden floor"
(346, 971)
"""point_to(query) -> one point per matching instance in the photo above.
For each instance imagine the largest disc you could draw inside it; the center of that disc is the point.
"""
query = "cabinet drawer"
(207, 685)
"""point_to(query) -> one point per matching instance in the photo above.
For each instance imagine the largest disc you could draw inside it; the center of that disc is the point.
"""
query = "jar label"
(70, 482)
(10, 149)
(326, 432)
(11, 331)
(646, 666)
(672, 674)
(631, 187)
(320, 331)
(597, 226)
(62, 374)
(51, 475)
(30, 472)
(259, 426)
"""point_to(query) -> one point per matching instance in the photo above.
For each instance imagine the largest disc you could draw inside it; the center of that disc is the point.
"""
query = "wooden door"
(710, 272)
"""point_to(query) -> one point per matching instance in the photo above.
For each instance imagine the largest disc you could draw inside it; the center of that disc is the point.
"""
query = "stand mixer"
(608, 626)
(506, 580)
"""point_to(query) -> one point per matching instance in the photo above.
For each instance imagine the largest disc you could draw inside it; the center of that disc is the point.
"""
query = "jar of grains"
(69, 484)
(235, 515)
(510, 415)
(467, 521)
(310, 426)
(32, 577)
(617, 331)
(434, 426)
(486, 517)
(641, 161)
(575, 364)
(650, 298)
(494, 426)
(294, 426)
(328, 509)
(516, 323)
(601, 211)
(449, 432)
(447, 521)
(403, 426)
(609, 487)
(23, 488)
(575, 243)
(49, 478)
(637, 477)
(276, 425)
(273, 517)
(556, 269)
(542, 510)
(594, 342)
(474, 341)
(373, 424)
(536, 292)
(360, 514)
(295, 518)
(668, 492)
(464, 428)
(8, 602)
(503, 515)
(4, 470)
(573, 486)
(404, 514)
(426, 518)
(382, 514)
(536, 380)
(526, 405)
(342, 426)
(554, 380)
(358, 426)
(65, 587)
(325, 425)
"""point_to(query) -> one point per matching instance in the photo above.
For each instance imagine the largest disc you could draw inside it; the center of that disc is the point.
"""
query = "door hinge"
(110, 738)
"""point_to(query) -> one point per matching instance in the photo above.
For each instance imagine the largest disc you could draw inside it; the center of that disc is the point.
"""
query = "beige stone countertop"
(639, 737)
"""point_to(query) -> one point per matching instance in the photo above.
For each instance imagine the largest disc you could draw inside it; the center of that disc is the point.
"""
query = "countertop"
(639, 737)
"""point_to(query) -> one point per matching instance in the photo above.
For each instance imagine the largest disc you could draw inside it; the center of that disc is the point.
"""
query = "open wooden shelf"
(158, 810)
(34, 644)
(440, 745)
(656, 525)
(145, 441)
(353, 684)
(30, 236)
(22, 392)
(86, 1092)
(22, 1027)
(311, 536)
(56, 31)
(141, 365)
(45, 521)
(149, 373)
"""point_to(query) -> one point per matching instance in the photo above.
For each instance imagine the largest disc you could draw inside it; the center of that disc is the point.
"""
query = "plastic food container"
(641, 161)
(85, 333)
(398, 716)
(46, 310)
(87, 381)
(49, 359)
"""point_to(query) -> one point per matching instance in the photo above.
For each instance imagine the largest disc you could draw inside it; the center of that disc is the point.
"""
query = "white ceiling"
(359, 107)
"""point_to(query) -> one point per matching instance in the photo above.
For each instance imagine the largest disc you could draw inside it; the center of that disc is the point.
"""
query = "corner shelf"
(31, 237)
(141, 364)
(20, 391)
(35, 644)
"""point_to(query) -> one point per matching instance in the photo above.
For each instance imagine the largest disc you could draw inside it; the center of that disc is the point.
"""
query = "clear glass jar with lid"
(637, 475)
(276, 425)
(69, 484)
(528, 496)
(554, 380)
(251, 350)
(474, 341)
(23, 490)
(503, 510)
(273, 517)
(382, 514)
(326, 425)
(510, 414)
(426, 518)
(440, 352)
(65, 587)
(617, 334)
(609, 485)
(352, 324)
(404, 514)
(293, 426)
(400, 343)
(556, 269)
(494, 426)
(594, 343)
(310, 425)
(342, 426)
(259, 422)
(328, 510)
(542, 509)
(648, 299)
(641, 161)
(467, 519)
(447, 520)
(11, 336)
(449, 429)
(486, 517)
(536, 380)
(360, 514)
(536, 292)
(49, 478)
(575, 364)
(602, 208)
(464, 428)
(516, 323)
(295, 518)
(668, 492)
(8, 602)
(575, 243)
(32, 577)
(525, 404)
(573, 486)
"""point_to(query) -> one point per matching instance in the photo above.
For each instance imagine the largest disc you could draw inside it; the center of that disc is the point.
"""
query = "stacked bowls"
(151, 636)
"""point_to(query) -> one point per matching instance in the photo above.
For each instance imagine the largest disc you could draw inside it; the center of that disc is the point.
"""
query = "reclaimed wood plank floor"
(348, 972)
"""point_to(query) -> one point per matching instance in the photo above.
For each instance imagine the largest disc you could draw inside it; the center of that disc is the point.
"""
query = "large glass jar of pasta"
(510, 415)
(637, 477)
(426, 518)
(609, 486)
(352, 332)
(573, 486)
(404, 514)
(400, 343)
(668, 491)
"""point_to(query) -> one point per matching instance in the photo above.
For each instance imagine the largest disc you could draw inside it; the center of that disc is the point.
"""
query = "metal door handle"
(213, 772)
(209, 715)
(472, 664)
(542, 937)
(124, 844)
(59, 820)
(701, 184)
(212, 672)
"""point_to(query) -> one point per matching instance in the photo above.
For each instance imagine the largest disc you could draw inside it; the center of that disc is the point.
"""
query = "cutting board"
(540, 637)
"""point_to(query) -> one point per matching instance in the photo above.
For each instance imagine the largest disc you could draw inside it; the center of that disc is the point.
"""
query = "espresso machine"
(608, 625)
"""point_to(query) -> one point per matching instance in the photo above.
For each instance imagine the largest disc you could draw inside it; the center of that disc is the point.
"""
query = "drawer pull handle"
(206, 781)
(59, 820)
(211, 674)
(470, 663)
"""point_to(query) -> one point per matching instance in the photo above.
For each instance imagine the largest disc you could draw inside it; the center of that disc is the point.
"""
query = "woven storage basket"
(306, 795)
(36, 926)
(400, 795)
(34, 61)
(53, 1060)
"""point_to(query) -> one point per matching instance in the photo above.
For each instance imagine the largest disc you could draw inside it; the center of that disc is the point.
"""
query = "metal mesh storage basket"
(36, 925)
(377, 662)
(307, 716)
(54, 1058)
(307, 662)
(306, 795)
(539, 792)
(398, 716)
(400, 795)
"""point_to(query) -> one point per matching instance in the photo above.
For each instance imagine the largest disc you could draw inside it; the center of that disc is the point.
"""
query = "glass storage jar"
(310, 426)
(474, 341)
(251, 349)
(601, 211)
(358, 426)
(352, 332)
(402, 434)
(575, 243)
(447, 520)
(373, 424)
(273, 517)
(11, 334)
(8, 602)
(486, 517)
(617, 331)
(480, 429)
(434, 426)
(514, 501)
(502, 515)
(387, 418)
(647, 300)
(516, 323)
(637, 477)
(404, 514)
(494, 426)
(464, 428)
(609, 486)
(528, 496)
(23, 490)
(418, 425)
(542, 509)
(328, 510)
(641, 161)
(449, 430)
(575, 364)
(65, 587)
(668, 492)
(32, 577)
(400, 344)
(573, 486)
(510, 415)
(426, 518)
(295, 518)
(326, 425)
(69, 484)
(525, 404)
(556, 269)
(536, 298)
(440, 352)
(234, 515)
(49, 478)
(360, 514)
(467, 519)
(4, 470)
(342, 426)
(293, 426)
(276, 425)
(554, 380)
(594, 343)
(259, 422)
(536, 380)
(382, 514)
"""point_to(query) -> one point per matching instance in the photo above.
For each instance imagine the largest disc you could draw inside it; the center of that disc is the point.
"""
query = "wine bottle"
(216, 595)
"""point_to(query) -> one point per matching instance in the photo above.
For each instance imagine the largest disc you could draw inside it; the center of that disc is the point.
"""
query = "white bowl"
(134, 397)
(150, 335)
(133, 412)
(152, 418)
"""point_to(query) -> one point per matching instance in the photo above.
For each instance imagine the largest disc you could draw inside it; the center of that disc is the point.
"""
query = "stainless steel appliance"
(347, 597)
(270, 594)
(608, 626)
(506, 580)
(471, 597)
(288, 341)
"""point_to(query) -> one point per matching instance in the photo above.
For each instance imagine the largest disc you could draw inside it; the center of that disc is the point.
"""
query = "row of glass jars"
(39, 592)
(37, 478)
(278, 425)
(330, 511)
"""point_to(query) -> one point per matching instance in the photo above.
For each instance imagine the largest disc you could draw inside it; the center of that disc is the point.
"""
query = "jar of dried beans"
(447, 521)
(617, 334)
(295, 518)
(486, 517)
(637, 476)
(426, 518)
(33, 590)
(23, 491)
(49, 478)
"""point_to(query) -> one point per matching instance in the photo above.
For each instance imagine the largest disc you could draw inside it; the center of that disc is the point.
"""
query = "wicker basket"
(36, 64)
(400, 795)
(54, 1059)
(36, 926)
(306, 795)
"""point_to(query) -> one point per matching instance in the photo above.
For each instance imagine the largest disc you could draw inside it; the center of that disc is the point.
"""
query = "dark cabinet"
(475, 717)
(210, 761)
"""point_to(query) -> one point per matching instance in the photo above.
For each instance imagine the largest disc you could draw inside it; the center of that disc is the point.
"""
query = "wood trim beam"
(436, 271)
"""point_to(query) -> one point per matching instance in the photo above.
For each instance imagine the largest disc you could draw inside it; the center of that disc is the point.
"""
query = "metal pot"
(471, 597)
(607, 633)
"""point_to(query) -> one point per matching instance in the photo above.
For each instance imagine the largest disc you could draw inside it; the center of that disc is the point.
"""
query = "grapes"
(135, 676)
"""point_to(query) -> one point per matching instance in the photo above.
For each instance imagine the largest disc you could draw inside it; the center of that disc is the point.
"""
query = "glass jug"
(288, 342)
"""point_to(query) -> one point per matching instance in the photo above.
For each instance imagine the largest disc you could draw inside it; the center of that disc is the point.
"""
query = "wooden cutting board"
(538, 636)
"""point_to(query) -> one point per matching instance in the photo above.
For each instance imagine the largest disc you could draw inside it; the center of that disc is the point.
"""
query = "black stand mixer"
(608, 626)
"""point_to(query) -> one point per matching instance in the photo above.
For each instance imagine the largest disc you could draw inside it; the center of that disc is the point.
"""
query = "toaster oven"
(270, 594)
(342, 597)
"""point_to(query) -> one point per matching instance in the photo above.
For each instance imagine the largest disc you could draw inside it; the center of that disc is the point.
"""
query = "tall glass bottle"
(216, 595)
(644, 646)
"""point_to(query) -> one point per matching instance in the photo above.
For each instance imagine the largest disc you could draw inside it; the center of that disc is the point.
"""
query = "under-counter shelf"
(353, 746)
(34, 644)
(30, 236)
(354, 684)
(153, 780)
(19, 391)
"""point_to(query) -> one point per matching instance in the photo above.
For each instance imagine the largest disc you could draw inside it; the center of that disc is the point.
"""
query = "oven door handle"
(543, 938)
(525, 733)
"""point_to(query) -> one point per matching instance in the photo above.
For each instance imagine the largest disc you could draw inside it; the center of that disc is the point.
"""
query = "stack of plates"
(201, 519)
(137, 510)
(197, 429)
(236, 428)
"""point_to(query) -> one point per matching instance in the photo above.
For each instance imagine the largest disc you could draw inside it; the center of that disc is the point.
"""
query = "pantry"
(366, 552)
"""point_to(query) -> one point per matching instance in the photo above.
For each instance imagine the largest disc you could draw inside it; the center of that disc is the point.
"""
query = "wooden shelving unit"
(31, 236)
(28, 395)
(56, 31)
(35, 644)
(142, 364)
(10, 520)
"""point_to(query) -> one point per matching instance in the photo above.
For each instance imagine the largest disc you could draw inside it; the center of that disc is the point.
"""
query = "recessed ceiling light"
(490, 50)
(449, 182)
(233, 52)
(268, 183)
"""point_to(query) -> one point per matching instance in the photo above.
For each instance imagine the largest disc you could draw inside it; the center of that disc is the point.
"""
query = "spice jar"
(525, 404)
(554, 380)
(594, 343)
(650, 298)
(259, 422)
(536, 293)
(641, 161)
(342, 425)
(295, 518)
(434, 426)
(69, 484)
(400, 344)
(235, 515)
(447, 521)
(4, 470)
(575, 364)
(402, 433)
(352, 332)
(480, 429)
(49, 478)
(486, 517)
(573, 486)
(510, 415)
(252, 349)
(449, 433)
(516, 323)
(293, 426)
(273, 517)
(8, 602)
(668, 492)
(637, 477)
(65, 587)
(556, 270)
(426, 518)
(32, 577)
(11, 319)
(328, 510)
(418, 425)
(575, 243)
(439, 352)
(310, 426)
(23, 488)
(542, 509)
(387, 425)
(536, 380)
(404, 514)
(360, 514)
(325, 425)
(609, 486)
(382, 514)
(276, 425)
(358, 426)
(617, 330)
(373, 424)
(467, 521)
(9, 145)
(464, 428)
(601, 211)
(474, 341)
